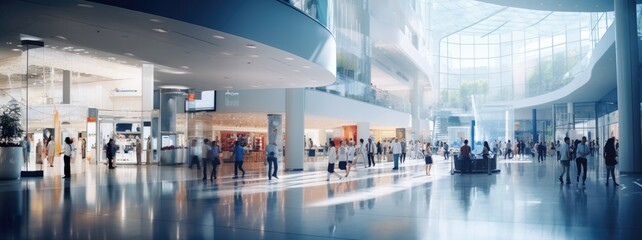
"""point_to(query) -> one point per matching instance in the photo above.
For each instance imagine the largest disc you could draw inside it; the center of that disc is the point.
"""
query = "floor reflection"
(145, 202)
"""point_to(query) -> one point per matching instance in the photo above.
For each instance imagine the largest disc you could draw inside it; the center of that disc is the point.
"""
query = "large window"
(509, 65)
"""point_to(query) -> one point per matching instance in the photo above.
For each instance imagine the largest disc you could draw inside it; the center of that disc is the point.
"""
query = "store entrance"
(127, 130)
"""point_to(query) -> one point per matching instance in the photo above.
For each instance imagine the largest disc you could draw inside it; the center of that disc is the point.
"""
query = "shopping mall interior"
(463, 107)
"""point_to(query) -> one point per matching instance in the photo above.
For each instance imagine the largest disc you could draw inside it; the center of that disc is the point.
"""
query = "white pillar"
(294, 124)
(628, 85)
(147, 87)
(363, 131)
(415, 109)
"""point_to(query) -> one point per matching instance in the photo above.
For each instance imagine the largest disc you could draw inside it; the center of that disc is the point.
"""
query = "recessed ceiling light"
(313, 80)
(184, 67)
(61, 37)
(15, 50)
(111, 58)
(129, 54)
(9, 43)
(155, 20)
(219, 37)
(160, 30)
(250, 46)
(84, 5)
(289, 58)
(254, 56)
(226, 53)
(306, 67)
(19, 45)
(296, 70)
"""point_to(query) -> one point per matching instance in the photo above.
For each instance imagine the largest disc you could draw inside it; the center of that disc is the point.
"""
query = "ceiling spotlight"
(306, 67)
(15, 50)
(9, 43)
(160, 30)
(111, 58)
(226, 53)
(84, 5)
(289, 58)
(254, 56)
(219, 37)
(155, 20)
(184, 67)
(129, 54)
(250, 46)
(61, 37)
(296, 70)
(313, 80)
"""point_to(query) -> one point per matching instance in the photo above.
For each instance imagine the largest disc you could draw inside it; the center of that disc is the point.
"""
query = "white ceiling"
(184, 54)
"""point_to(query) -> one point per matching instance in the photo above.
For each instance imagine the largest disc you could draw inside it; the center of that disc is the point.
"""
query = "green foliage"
(551, 73)
(10, 129)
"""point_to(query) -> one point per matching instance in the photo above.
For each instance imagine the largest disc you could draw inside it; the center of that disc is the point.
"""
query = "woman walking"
(343, 157)
(351, 154)
(428, 159)
(610, 154)
(332, 158)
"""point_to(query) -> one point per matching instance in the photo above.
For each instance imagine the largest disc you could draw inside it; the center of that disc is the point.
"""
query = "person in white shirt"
(565, 158)
(396, 152)
(343, 156)
(332, 158)
(196, 154)
(582, 151)
(509, 150)
(206, 150)
(351, 154)
(68, 151)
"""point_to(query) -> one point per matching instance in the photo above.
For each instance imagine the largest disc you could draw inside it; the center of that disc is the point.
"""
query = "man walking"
(396, 151)
(582, 151)
(565, 153)
(206, 154)
(370, 150)
(271, 152)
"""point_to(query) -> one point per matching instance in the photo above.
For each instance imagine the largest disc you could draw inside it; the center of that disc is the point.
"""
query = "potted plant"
(11, 152)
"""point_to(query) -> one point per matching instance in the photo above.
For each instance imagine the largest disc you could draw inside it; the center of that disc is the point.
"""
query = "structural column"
(363, 132)
(294, 124)
(535, 136)
(415, 109)
(66, 87)
(628, 86)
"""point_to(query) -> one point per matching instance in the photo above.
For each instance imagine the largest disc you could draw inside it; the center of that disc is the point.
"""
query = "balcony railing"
(366, 93)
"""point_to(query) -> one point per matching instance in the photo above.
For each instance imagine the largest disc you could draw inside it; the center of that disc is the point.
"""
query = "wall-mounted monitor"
(207, 102)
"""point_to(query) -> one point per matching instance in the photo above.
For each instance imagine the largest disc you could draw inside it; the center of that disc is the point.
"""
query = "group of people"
(578, 152)
(209, 152)
(47, 149)
(348, 154)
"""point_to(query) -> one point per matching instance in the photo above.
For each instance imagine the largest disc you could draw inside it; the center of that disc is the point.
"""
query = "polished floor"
(523, 201)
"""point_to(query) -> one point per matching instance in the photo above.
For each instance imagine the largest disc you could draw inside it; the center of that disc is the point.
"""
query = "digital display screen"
(207, 102)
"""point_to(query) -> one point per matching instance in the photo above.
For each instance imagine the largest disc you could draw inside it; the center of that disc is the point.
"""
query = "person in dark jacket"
(610, 155)
(110, 151)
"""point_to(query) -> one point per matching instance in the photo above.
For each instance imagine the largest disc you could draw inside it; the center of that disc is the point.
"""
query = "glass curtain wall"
(516, 64)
